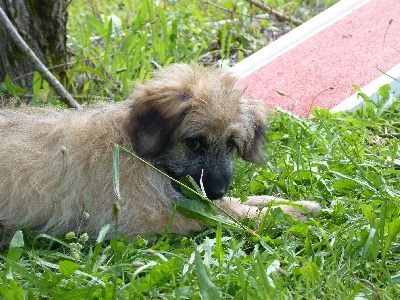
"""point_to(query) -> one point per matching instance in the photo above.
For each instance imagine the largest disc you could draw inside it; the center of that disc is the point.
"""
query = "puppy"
(56, 170)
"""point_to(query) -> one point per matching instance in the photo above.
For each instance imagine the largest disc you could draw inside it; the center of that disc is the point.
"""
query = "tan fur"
(56, 165)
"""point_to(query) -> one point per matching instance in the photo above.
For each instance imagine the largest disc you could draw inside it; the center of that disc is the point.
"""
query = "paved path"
(347, 52)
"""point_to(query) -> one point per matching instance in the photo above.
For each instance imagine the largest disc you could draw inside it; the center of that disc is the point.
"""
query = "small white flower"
(83, 238)
(70, 235)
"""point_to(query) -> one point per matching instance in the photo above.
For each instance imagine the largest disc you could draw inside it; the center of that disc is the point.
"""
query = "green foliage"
(129, 40)
(347, 161)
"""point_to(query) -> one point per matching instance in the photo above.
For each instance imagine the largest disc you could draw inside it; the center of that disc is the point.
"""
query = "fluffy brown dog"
(56, 166)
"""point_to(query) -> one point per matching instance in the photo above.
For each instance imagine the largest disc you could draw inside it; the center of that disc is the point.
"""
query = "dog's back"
(45, 155)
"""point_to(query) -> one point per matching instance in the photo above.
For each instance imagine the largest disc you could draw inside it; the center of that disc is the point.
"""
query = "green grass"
(147, 37)
(349, 162)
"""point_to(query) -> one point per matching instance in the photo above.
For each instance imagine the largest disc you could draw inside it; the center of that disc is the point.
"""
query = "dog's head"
(192, 120)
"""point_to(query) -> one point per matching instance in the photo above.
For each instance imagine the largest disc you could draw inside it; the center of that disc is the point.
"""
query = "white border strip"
(296, 36)
(372, 90)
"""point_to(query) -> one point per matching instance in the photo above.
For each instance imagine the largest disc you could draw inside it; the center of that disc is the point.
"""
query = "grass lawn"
(349, 162)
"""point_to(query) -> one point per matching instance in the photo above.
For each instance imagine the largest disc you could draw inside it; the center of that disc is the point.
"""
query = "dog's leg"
(256, 206)
(311, 206)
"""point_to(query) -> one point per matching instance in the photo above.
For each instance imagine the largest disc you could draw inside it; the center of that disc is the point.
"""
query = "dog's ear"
(153, 118)
(254, 146)
(150, 132)
(158, 107)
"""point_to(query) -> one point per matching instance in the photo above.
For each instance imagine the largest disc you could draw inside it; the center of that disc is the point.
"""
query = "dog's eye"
(196, 145)
(231, 145)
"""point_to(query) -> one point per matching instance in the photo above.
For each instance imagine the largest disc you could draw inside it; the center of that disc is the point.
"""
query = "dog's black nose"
(216, 194)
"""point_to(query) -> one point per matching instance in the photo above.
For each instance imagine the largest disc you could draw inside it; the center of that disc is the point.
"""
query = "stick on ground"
(38, 65)
(280, 17)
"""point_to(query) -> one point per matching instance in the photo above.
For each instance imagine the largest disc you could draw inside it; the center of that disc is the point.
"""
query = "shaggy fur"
(56, 165)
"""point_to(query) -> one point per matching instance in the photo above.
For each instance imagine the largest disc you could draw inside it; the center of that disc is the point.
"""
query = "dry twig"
(280, 17)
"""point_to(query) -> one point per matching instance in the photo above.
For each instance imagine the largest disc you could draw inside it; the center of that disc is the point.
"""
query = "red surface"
(348, 52)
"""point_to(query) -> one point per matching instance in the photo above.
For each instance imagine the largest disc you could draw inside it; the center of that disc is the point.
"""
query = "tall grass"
(349, 162)
(126, 42)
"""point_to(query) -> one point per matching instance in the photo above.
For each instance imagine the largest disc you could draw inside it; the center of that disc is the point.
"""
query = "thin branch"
(389, 135)
(217, 6)
(384, 38)
(39, 66)
(373, 288)
(280, 17)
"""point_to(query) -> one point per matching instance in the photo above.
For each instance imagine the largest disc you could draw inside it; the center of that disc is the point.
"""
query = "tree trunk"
(42, 24)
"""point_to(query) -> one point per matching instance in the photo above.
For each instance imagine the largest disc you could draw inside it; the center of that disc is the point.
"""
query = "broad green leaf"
(384, 90)
(12, 88)
(14, 253)
(116, 171)
(369, 213)
(17, 240)
(218, 244)
(160, 274)
(12, 290)
(394, 230)
(208, 289)
(345, 183)
(361, 93)
(67, 267)
(80, 293)
(301, 176)
(188, 182)
(309, 270)
(300, 228)
(102, 234)
(202, 211)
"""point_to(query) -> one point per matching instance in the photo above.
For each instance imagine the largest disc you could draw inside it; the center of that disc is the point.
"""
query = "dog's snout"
(215, 194)
(216, 180)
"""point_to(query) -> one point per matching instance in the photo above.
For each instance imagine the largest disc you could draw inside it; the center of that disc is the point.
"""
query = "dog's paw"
(255, 206)
(314, 208)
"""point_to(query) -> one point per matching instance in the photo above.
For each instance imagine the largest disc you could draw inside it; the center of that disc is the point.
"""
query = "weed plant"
(349, 162)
